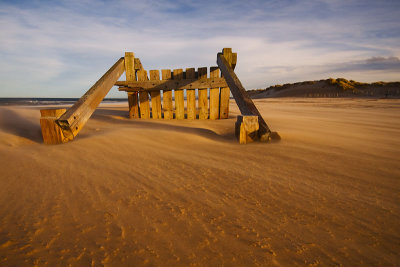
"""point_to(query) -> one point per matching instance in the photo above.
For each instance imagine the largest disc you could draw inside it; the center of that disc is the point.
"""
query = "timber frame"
(213, 94)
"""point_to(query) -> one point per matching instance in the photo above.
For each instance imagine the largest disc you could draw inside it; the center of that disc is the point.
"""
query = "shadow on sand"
(12, 123)
(120, 117)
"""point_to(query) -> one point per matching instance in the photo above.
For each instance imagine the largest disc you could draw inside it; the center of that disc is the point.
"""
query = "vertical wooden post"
(179, 99)
(191, 95)
(224, 103)
(130, 76)
(203, 98)
(155, 96)
(225, 92)
(133, 105)
(246, 128)
(214, 95)
(51, 131)
(167, 97)
(129, 66)
(143, 96)
(138, 64)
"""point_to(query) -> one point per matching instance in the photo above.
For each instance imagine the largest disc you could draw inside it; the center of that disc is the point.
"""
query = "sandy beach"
(178, 193)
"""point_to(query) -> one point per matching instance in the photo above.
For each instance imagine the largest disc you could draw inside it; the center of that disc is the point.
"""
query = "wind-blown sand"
(137, 192)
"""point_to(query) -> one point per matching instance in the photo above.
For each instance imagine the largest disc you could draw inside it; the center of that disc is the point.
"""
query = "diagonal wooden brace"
(244, 102)
(72, 121)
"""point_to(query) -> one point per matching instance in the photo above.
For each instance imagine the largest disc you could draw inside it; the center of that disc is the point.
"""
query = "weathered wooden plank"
(179, 99)
(214, 95)
(155, 96)
(143, 96)
(230, 57)
(244, 102)
(224, 92)
(172, 84)
(129, 66)
(246, 128)
(51, 131)
(133, 105)
(76, 117)
(224, 103)
(234, 60)
(138, 65)
(227, 52)
(131, 77)
(167, 97)
(191, 96)
(203, 97)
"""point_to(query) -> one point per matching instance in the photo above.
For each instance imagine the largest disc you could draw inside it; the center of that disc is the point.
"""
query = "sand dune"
(330, 88)
(144, 192)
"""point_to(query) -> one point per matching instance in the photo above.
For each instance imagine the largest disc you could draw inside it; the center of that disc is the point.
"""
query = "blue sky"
(60, 48)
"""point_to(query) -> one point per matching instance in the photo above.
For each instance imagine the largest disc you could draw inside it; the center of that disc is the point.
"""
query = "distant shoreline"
(329, 88)
(40, 101)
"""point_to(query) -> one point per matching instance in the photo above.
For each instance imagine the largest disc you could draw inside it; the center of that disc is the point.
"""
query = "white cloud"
(63, 48)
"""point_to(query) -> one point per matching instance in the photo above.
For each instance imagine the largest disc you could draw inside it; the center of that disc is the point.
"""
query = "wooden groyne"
(166, 93)
(212, 90)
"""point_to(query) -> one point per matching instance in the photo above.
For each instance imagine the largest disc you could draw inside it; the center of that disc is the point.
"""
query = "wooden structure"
(51, 132)
(247, 129)
(172, 87)
(243, 100)
(155, 97)
(73, 120)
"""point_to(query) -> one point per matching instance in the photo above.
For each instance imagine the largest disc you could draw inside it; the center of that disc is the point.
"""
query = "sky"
(61, 48)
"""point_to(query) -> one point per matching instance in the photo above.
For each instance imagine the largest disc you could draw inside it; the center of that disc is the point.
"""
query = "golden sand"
(137, 192)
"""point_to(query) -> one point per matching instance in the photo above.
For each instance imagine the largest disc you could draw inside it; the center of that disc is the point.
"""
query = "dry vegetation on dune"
(339, 87)
(179, 193)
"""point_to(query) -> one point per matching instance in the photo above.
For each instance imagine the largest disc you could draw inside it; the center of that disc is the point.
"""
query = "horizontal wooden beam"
(171, 84)
(244, 102)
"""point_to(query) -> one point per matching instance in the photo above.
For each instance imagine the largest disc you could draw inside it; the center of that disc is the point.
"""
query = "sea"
(19, 101)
